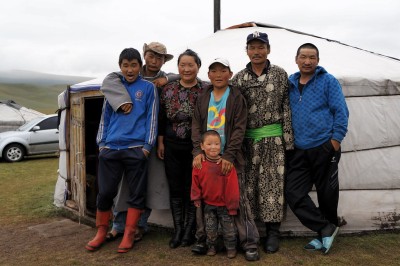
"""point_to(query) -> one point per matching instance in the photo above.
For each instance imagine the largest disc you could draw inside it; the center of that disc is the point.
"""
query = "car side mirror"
(35, 128)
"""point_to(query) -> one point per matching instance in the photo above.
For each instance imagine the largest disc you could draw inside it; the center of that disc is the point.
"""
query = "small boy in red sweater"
(219, 193)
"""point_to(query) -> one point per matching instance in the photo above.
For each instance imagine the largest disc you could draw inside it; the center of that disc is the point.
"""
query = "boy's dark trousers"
(112, 164)
(316, 166)
(213, 215)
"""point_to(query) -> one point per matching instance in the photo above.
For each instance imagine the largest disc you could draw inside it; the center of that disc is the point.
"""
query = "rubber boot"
(132, 219)
(190, 223)
(272, 241)
(102, 222)
(177, 215)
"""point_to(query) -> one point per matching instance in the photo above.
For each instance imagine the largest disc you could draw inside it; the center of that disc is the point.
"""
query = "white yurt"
(14, 115)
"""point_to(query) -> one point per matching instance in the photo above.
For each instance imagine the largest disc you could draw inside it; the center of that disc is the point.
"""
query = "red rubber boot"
(102, 220)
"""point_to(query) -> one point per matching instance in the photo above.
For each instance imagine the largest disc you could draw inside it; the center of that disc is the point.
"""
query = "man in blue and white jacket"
(319, 120)
(125, 140)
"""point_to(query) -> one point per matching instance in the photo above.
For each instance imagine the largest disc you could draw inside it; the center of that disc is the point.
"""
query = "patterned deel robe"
(268, 103)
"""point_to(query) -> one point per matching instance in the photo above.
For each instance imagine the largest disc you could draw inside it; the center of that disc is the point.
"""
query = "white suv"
(38, 136)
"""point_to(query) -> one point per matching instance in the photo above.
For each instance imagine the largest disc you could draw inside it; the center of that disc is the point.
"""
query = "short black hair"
(191, 53)
(130, 54)
(209, 133)
(307, 46)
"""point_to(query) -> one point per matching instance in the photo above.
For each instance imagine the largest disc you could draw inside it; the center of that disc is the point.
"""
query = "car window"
(29, 124)
(49, 123)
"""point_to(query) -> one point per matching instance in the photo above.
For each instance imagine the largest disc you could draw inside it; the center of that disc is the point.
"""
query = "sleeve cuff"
(147, 147)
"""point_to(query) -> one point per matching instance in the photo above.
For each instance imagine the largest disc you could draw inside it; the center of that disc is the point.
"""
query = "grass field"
(27, 190)
(26, 198)
(42, 98)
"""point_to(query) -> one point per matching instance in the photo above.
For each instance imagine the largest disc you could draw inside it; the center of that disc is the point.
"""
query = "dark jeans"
(112, 164)
(214, 215)
(317, 166)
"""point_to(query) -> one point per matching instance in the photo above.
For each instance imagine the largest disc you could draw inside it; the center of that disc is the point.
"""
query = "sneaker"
(211, 251)
(251, 254)
(199, 248)
(113, 235)
(328, 241)
(231, 253)
(314, 245)
(139, 233)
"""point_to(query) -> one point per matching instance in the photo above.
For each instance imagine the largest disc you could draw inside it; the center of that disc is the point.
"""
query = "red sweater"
(214, 188)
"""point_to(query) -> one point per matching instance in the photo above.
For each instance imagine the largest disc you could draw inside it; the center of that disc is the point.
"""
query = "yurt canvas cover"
(14, 115)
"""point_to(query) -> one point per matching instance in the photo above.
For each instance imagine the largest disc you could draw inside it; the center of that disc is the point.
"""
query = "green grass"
(42, 98)
(27, 190)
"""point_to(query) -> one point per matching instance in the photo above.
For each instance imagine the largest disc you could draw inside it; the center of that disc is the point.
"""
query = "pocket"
(143, 154)
(328, 147)
(103, 151)
(137, 153)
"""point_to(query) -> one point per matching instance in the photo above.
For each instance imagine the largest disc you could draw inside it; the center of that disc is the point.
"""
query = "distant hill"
(38, 91)
(37, 78)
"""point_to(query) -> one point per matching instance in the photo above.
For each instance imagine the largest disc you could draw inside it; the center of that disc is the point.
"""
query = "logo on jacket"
(139, 95)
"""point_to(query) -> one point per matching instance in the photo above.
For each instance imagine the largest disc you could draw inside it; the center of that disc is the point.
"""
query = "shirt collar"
(265, 70)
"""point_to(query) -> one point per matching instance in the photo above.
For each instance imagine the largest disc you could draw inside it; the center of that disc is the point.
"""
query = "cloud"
(85, 37)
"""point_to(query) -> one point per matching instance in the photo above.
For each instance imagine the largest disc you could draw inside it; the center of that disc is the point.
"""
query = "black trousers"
(178, 160)
(114, 163)
(317, 166)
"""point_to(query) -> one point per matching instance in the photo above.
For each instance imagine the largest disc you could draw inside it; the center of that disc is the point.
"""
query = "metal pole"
(217, 15)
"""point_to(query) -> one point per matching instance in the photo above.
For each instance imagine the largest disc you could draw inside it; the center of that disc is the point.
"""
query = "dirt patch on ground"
(62, 241)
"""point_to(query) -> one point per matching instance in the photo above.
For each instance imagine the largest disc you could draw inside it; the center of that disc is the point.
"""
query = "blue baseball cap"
(258, 36)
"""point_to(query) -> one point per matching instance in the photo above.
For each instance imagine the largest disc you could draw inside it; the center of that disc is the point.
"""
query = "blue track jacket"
(136, 129)
(320, 113)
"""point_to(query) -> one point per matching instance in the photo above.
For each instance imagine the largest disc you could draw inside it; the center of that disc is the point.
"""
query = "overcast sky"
(85, 37)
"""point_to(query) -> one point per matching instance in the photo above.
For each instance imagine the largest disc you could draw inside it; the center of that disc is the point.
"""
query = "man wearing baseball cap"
(155, 56)
(268, 135)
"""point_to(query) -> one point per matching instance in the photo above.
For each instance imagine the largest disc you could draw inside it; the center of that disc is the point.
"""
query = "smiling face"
(211, 146)
(257, 51)
(130, 69)
(188, 69)
(307, 60)
(219, 75)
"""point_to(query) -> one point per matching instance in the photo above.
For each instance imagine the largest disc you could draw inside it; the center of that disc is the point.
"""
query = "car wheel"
(14, 153)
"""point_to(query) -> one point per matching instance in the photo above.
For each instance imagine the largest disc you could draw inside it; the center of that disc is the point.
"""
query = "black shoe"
(175, 242)
(271, 244)
(199, 248)
(187, 240)
(251, 254)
